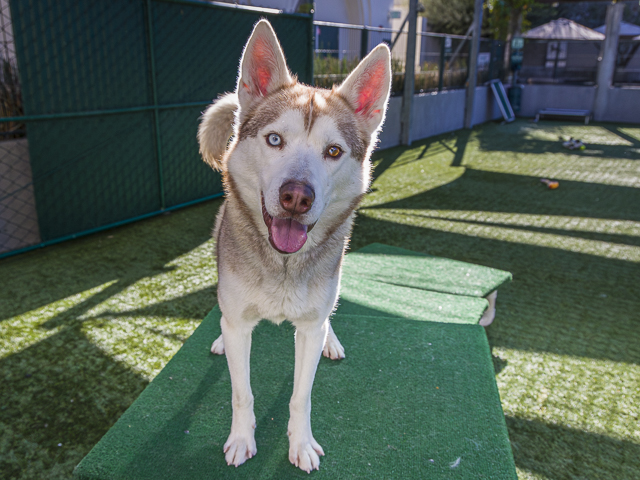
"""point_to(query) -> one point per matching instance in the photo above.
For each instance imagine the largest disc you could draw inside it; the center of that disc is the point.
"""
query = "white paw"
(333, 349)
(305, 454)
(239, 448)
(218, 346)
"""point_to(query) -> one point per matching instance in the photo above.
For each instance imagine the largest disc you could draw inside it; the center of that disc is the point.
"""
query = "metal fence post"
(409, 75)
(156, 112)
(608, 55)
(473, 64)
(364, 42)
(312, 47)
(441, 65)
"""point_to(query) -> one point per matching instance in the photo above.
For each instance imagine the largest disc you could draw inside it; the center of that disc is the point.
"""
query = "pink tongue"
(287, 235)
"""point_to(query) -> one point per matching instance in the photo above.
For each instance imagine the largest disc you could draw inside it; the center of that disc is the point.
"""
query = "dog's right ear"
(216, 127)
(263, 68)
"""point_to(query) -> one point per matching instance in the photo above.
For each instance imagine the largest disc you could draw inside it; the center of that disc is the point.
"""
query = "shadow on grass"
(622, 239)
(58, 398)
(64, 390)
(429, 147)
(559, 301)
(126, 254)
(479, 190)
(510, 138)
(565, 453)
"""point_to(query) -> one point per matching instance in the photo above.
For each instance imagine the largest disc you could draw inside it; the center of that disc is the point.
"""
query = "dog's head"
(299, 159)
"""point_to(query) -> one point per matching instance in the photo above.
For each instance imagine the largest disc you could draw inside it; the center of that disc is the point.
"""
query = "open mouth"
(286, 235)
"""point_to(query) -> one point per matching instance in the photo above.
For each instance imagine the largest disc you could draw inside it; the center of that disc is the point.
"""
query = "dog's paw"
(333, 349)
(239, 448)
(305, 454)
(218, 346)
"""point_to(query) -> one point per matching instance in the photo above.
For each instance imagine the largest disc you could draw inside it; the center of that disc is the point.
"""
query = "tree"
(507, 19)
(451, 16)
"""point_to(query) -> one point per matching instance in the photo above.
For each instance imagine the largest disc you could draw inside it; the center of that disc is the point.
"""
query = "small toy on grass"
(573, 144)
(551, 184)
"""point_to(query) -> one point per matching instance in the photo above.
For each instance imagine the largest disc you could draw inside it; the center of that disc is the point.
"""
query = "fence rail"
(576, 62)
(441, 59)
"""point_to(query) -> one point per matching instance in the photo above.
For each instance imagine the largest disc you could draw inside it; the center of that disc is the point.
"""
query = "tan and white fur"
(295, 165)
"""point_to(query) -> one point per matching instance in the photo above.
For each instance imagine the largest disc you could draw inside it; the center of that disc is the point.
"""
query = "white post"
(609, 53)
(409, 75)
(473, 63)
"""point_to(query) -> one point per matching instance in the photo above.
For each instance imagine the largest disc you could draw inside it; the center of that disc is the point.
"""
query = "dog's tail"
(216, 127)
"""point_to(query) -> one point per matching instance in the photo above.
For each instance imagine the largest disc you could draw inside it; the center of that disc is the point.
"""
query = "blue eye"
(274, 140)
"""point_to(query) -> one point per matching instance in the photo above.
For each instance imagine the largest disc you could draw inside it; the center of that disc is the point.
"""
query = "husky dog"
(293, 173)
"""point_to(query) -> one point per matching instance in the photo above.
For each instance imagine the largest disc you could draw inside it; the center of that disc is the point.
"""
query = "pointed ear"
(263, 68)
(367, 88)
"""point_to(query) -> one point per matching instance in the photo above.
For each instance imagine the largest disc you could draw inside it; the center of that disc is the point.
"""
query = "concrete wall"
(485, 106)
(623, 104)
(436, 113)
(537, 97)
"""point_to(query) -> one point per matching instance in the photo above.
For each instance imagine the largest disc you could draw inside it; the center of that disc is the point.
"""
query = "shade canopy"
(626, 29)
(563, 29)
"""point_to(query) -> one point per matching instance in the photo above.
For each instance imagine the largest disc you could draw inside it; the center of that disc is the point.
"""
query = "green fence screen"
(112, 93)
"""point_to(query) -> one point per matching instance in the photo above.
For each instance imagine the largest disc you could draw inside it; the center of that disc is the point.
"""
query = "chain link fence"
(576, 62)
(628, 63)
(442, 61)
(99, 127)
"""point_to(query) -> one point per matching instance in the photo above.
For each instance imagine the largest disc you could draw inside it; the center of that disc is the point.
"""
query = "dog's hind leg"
(241, 444)
(304, 451)
(333, 349)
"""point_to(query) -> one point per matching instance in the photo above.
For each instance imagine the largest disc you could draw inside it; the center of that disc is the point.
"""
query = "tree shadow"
(58, 398)
(565, 453)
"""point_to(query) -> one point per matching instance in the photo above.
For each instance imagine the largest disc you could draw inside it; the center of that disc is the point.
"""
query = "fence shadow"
(64, 389)
(125, 254)
(480, 190)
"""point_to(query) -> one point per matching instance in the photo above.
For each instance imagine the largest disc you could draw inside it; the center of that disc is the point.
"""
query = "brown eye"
(334, 152)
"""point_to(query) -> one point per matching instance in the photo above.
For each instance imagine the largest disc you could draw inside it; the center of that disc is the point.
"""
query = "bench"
(564, 113)
(415, 397)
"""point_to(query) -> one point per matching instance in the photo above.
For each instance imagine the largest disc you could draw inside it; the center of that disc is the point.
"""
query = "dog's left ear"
(367, 88)
(263, 68)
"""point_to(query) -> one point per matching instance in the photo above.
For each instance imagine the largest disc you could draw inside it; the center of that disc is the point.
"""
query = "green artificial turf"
(399, 406)
(85, 325)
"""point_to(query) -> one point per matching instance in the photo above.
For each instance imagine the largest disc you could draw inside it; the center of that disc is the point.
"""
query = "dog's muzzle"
(287, 235)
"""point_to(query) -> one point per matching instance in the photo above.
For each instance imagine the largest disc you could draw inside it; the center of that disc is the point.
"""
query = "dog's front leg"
(304, 451)
(241, 444)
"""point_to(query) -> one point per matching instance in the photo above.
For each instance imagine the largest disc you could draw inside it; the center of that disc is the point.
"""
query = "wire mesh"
(18, 217)
(553, 61)
(111, 94)
(628, 63)
(441, 60)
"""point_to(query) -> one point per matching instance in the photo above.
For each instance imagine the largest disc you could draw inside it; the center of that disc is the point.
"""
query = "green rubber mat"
(398, 266)
(360, 295)
(411, 400)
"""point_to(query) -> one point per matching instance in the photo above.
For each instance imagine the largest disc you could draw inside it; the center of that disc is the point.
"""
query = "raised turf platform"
(413, 399)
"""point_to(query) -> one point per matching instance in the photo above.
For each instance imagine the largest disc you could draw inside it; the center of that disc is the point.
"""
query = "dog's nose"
(296, 197)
